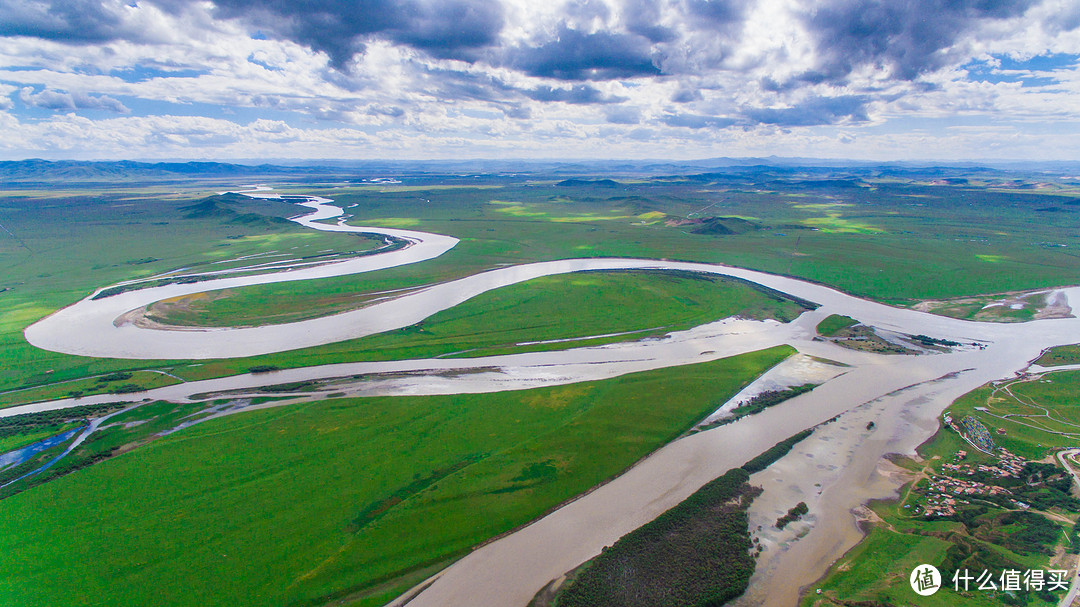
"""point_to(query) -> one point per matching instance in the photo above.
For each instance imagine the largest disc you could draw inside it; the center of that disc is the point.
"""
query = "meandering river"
(903, 393)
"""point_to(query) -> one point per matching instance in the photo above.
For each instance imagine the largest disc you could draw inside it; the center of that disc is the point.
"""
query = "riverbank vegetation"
(695, 554)
(699, 552)
(1012, 509)
(759, 403)
(353, 499)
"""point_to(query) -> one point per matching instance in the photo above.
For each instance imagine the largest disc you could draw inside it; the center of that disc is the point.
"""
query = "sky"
(545, 79)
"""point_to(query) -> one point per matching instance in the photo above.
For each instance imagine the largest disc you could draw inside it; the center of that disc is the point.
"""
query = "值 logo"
(925, 580)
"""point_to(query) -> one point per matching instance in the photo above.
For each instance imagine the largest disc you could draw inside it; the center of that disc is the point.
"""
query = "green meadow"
(351, 499)
(568, 305)
(355, 500)
(897, 239)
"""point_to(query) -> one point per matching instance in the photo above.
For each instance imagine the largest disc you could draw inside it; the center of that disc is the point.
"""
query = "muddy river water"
(835, 471)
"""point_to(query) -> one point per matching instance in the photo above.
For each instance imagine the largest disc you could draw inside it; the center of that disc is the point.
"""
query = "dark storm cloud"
(575, 55)
(76, 21)
(904, 36)
(443, 28)
(579, 94)
(813, 112)
(448, 29)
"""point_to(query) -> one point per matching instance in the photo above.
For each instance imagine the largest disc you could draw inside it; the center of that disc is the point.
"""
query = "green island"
(835, 323)
(697, 553)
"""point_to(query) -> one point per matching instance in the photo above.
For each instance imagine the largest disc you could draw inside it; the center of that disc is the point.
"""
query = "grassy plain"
(571, 305)
(895, 235)
(350, 499)
(60, 244)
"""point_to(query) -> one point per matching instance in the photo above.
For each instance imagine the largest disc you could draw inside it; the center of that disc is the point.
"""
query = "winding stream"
(904, 394)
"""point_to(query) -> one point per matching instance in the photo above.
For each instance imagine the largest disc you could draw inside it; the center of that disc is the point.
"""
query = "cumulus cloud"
(341, 28)
(576, 94)
(623, 115)
(697, 121)
(450, 74)
(577, 55)
(812, 112)
(80, 21)
(62, 100)
(718, 12)
(905, 37)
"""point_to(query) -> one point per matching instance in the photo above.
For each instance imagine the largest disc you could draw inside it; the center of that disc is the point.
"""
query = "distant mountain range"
(74, 170)
(34, 170)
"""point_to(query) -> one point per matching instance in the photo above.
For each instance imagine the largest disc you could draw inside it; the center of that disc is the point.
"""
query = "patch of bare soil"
(1057, 306)
(863, 338)
(1012, 306)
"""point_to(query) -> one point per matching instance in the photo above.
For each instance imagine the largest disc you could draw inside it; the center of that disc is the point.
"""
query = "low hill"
(721, 226)
(239, 209)
(596, 183)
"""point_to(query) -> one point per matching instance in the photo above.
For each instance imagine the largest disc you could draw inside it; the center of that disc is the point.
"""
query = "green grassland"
(58, 249)
(553, 307)
(580, 305)
(894, 237)
(983, 534)
(354, 499)
(123, 382)
(1012, 307)
(561, 306)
